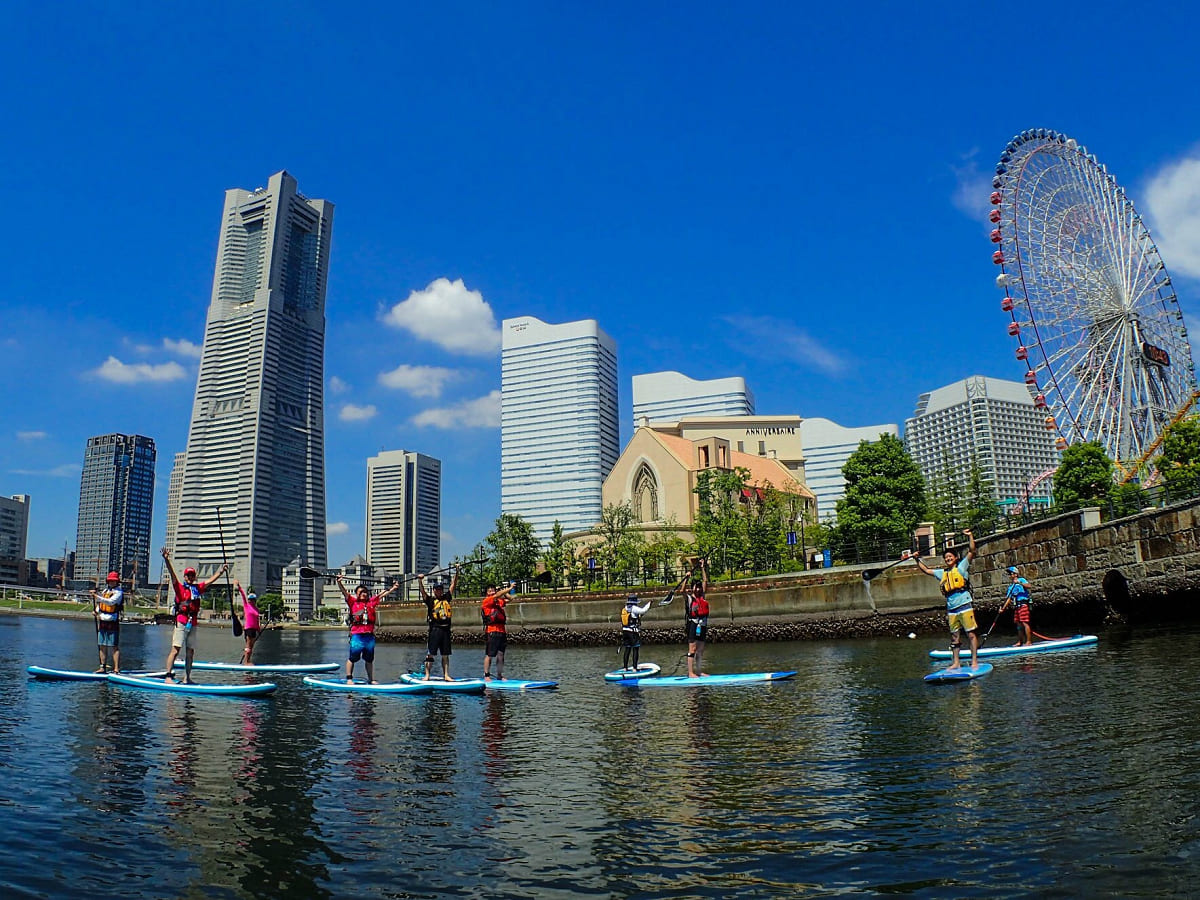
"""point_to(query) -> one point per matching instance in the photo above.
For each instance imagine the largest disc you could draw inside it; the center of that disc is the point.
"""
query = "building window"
(645, 495)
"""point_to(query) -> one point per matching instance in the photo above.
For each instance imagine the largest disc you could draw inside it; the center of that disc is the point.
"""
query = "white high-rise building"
(14, 532)
(404, 512)
(174, 489)
(256, 446)
(671, 396)
(827, 446)
(559, 432)
(996, 422)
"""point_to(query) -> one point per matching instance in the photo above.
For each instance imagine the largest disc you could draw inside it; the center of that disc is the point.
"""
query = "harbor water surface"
(1072, 774)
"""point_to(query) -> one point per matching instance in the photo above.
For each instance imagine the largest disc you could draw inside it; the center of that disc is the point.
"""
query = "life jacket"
(492, 612)
(361, 613)
(188, 608)
(698, 608)
(1019, 594)
(108, 611)
(441, 611)
(953, 581)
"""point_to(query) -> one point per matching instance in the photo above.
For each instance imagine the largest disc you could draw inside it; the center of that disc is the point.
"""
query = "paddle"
(309, 572)
(671, 593)
(868, 574)
(993, 625)
(237, 623)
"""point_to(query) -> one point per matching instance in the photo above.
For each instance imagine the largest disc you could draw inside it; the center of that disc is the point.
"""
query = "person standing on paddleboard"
(1018, 596)
(106, 607)
(956, 588)
(494, 617)
(631, 629)
(695, 606)
(439, 614)
(187, 613)
(251, 621)
(362, 618)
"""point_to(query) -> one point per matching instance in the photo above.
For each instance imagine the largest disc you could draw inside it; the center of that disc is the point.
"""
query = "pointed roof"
(763, 469)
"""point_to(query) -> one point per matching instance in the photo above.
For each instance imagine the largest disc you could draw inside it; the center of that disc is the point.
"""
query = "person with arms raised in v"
(187, 613)
(695, 609)
(362, 617)
(106, 607)
(439, 614)
(494, 617)
(956, 588)
(251, 619)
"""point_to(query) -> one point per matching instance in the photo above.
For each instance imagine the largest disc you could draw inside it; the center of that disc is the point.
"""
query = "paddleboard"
(706, 680)
(644, 670)
(1071, 643)
(44, 674)
(265, 667)
(453, 686)
(963, 673)
(392, 687)
(258, 689)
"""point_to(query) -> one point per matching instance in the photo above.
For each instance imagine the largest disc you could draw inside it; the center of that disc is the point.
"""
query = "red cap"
(188, 571)
(113, 576)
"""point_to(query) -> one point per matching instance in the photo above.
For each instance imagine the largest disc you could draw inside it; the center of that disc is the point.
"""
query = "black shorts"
(631, 637)
(697, 631)
(251, 633)
(497, 642)
(439, 640)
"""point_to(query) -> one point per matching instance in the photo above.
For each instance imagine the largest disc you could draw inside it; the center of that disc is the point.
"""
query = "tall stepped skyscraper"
(559, 433)
(116, 502)
(256, 446)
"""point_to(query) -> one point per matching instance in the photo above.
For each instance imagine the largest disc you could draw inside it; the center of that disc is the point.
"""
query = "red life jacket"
(187, 609)
(492, 612)
(699, 606)
(361, 613)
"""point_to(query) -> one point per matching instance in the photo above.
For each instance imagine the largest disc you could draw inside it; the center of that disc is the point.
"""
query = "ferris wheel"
(1096, 319)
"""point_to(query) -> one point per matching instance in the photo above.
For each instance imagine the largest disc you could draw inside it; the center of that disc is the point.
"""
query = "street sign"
(791, 538)
(592, 563)
(828, 558)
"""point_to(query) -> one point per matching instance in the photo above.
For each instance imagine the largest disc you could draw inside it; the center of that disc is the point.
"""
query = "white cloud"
(1173, 209)
(420, 381)
(31, 435)
(767, 336)
(449, 315)
(352, 413)
(336, 528)
(482, 412)
(183, 347)
(337, 386)
(66, 470)
(972, 188)
(133, 373)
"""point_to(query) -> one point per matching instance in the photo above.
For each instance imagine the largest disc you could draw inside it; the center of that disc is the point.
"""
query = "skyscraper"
(256, 446)
(116, 502)
(14, 531)
(559, 430)
(827, 446)
(671, 396)
(990, 420)
(404, 512)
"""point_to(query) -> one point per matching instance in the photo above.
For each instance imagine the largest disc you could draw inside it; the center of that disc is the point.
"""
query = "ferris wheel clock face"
(1095, 317)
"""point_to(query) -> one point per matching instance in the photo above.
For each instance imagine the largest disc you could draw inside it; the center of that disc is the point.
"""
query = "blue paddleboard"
(1071, 643)
(962, 673)
(265, 667)
(453, 686)
(491, 684)
(644, 670)
(259, 689)
(43, 674)
(707, 680)
(361, 687)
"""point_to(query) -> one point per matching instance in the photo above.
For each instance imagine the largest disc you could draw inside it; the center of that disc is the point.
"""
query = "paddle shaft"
(237, 623)
(869, 574)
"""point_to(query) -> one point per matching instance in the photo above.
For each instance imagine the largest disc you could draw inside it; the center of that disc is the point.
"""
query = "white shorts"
(184, 637)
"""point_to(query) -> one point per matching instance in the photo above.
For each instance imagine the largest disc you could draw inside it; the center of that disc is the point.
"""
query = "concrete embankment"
(820, 605)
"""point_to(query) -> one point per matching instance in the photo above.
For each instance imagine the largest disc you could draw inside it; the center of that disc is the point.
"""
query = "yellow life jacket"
(441, 611)
(953, 582)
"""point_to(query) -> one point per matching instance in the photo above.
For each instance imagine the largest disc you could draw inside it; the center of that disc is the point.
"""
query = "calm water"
(1069, 775)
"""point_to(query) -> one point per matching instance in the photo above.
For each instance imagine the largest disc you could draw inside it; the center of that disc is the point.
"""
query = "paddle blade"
(307, 572)
(237, 625)
(871, 573)
(544, 577)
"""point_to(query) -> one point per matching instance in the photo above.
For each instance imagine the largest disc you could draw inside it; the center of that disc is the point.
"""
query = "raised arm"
(454, 580)
(395, 587)
(342, 585)
(421, 588)
(970, 542)
(237, 584)
(504, 593)
(921, 564)
(166, 555)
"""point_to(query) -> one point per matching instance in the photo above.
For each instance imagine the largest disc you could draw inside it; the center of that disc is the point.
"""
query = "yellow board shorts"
(962, 621)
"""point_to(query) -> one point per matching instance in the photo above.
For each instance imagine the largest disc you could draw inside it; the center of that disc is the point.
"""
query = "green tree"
(983, 512)
(271, 606)
(1084, 477)
(662, 551)
(619, 550)
(884, 501)
(944, 494)
(514, 548)
(559, 554)
(1179, 464)
(1126, 500)
(720, 527)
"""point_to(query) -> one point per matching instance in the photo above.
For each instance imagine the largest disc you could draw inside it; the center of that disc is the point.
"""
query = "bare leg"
(446, 667)
(487, 666)
(103, 660)
(187, 667)
(691, 658)
(116, 659)
(349, 670)
(500, 665)
(171, 657)
(954, 641)
(370, 666)
(700, 658)
(428, 665)
(974, 639)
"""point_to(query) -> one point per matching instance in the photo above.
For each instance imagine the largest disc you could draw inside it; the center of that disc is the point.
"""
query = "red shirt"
(495, 604)
(362, 614)
(187, 600)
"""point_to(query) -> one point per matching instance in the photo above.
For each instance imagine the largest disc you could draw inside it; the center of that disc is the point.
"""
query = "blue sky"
(778, 191)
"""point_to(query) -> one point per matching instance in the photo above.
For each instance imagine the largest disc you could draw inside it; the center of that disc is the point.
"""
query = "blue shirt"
(959, 600)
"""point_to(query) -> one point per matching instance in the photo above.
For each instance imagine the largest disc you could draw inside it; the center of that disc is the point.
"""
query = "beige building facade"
(772, 437)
